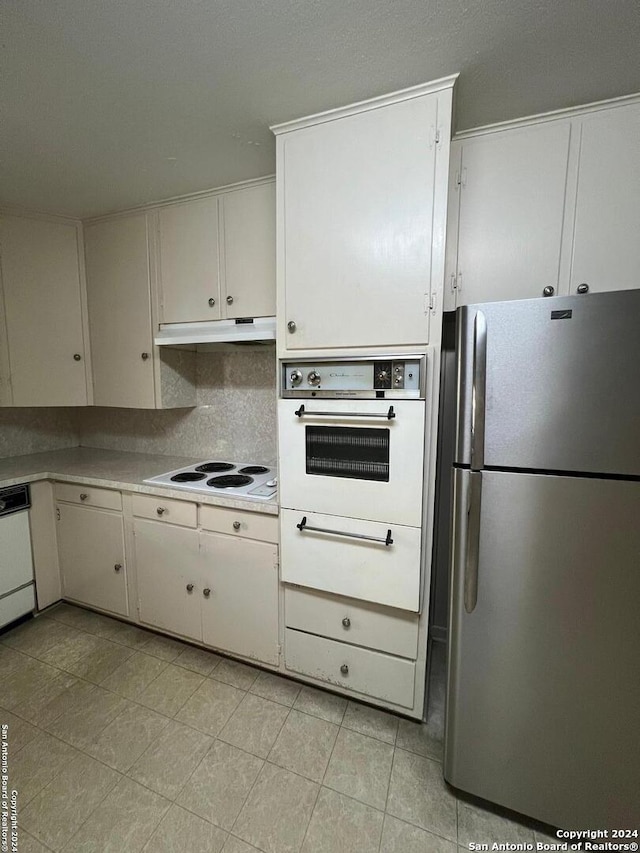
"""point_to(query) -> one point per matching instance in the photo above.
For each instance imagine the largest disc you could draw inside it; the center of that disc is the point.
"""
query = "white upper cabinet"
(249, 281)
(45, 312)
(508, 197)
(357, 232)
(606, 249)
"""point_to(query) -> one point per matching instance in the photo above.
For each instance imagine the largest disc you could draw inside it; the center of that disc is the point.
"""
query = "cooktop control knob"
(383, 376)
(314, 378)
(295, 377)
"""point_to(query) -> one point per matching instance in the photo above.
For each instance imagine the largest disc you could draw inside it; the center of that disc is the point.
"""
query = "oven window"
(359, 453)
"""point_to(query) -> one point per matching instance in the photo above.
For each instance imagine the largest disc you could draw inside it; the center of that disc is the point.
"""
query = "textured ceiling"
(107, 104)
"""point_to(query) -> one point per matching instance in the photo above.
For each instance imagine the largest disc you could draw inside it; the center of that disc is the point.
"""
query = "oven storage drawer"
(250, 525)
(165, 509)
(370, 673)
(88, 496)
(340, 562)
(347, 457)
(349, 621)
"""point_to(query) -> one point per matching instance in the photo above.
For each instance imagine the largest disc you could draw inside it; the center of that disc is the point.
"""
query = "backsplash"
(235, 417)
(25, 431)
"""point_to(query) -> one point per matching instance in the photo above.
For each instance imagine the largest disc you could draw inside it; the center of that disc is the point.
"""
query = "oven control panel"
(379, 377)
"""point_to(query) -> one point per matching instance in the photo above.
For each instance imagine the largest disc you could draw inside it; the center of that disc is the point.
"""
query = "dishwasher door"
(16, 567)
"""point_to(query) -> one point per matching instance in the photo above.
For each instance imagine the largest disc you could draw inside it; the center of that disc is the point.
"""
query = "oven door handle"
(302, 526)
(388, 415)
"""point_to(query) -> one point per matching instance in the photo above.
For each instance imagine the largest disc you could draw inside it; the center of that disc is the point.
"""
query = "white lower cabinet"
(92, 557)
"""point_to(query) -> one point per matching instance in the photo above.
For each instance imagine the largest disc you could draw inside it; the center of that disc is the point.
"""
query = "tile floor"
(121, 740)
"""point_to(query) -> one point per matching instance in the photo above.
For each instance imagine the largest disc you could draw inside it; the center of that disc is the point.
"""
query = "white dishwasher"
(17, 595)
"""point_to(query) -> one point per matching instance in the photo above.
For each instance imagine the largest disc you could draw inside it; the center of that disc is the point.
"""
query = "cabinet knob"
(83, 496)
(189, 587)
(236, 525)
(206, 592)
(117, 567)
(548, 290)
(344, 669)
(145, 356)
(77, 357)
(291, 326)
(229, 300)
(346, 622)
(161, 510)
(583, 288)
(212, 302)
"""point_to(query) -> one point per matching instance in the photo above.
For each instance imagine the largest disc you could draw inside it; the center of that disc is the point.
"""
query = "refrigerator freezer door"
(551, 384)
(544, 676)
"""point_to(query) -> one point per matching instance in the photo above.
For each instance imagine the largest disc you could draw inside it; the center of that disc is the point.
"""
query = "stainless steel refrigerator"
(543, 694)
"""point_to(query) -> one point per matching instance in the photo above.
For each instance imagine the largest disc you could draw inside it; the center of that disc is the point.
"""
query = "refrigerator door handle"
(478, 390)
(474, 502)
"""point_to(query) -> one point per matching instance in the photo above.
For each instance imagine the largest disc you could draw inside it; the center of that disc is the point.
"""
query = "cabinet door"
(240, 614)
(606, 251)
(91, 552)
(249, 217)
(357, 224)
(118, 294)
(188, 267)
(43, 305)
(512, 197)
(167, 561)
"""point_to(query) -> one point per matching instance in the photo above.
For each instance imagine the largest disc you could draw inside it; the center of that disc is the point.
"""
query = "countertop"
(112, 469)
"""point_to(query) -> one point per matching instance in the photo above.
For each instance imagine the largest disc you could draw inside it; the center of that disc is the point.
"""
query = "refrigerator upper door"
(543, 694)
(551, 384)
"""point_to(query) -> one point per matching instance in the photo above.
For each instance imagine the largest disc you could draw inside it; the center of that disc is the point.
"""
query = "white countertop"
(113, 469)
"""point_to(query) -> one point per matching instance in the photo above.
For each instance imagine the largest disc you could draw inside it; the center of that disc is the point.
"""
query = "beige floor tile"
(28, 844)
(360, 767)
(11, 661)
(235, 673)
(482, 825)
(304, 745)
(78, 617)
(276, 688)
(165, 648)
(320, 703)
(62, 701)
(418, 794)
(181, 831)
(37, 636)
(170, 690)
(419, 738)
(87, 717)
(132, 676)
(124, 740)
(341, 824)
(277, 811)
(236, 845)
(198, 660)
(25, 682)
(58, 811)
(121, 632)
(124, 821)
(41, 708)
(67, 652)
(371, 722)
(19, 732)
(210, 706)
(255, 725)
(401, 837)
(220, 784)
(99, 663)
(36, 764)
(171, 759)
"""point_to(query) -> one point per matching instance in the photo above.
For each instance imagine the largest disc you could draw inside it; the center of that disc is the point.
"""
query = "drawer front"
(165, 509)
(250, 525)
(371, 673)
(358, 623)
(88, 496)
(337, 562)
(17, 604)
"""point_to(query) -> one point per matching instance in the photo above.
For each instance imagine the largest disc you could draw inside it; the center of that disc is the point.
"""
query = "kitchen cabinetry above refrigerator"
(361, 220)
(545, 207)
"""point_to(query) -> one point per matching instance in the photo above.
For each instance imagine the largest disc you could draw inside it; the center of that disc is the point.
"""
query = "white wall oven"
(352, 439)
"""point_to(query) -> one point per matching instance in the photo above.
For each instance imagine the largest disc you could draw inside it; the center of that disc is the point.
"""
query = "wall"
(32, 430)
(235, 417)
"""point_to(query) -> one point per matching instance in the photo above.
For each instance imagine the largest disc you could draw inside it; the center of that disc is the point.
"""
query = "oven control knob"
(295, 377)
(314, 378)
(383, 375)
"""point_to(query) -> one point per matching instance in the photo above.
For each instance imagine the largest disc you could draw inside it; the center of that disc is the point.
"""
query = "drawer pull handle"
(117, 567)
(344, 669)
(236, 525)
(302, 526)
(189, 587)
(346, 622)
(161, 510)
(206, 592)
(84, 496)
(388, 415)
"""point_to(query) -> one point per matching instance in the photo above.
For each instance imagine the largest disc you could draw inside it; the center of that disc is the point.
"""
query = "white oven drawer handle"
(302, 526)
(388, 415)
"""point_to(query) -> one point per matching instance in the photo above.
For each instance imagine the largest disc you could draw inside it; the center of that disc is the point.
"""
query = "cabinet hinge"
(437, 137)
(276, 561)
(58, 513)
(432, 302)
(454, 282)
(461, 178)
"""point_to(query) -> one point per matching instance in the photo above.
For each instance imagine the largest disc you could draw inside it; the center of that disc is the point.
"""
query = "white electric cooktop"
(236, 479)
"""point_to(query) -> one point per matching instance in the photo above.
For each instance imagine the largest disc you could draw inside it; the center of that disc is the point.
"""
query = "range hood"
(217, 332)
